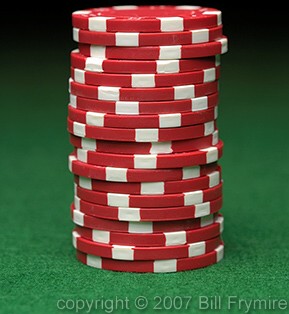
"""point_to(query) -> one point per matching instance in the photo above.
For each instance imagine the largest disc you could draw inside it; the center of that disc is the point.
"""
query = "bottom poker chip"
(154, 266)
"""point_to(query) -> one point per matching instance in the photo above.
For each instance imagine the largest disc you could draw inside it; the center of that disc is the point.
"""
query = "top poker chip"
(146, 18)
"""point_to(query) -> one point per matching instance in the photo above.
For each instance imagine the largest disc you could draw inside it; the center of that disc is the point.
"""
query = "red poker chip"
(156, 266)
(145, 107)
(146, 213)
(141, 135)
(168, 147)
(136, 39)
(213, 48)
(137, 175)
(142, 201)
(144, 80)
(123, 66)
(131, 18)
(144, 188)
(142, 94)
(210, 226)
(152, 161)
(172, 120)
(134, 227)
(134, 253)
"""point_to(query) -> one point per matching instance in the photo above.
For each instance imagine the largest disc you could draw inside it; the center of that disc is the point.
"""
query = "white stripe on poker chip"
(98, 23)
(220, 221)
(215, 137)
(170, 52)
(191, 172)
(108, 93)
(175, 238)
(152, 188)
(129, 214)
(75, 235)
(192, 198)
(170, 120)
(161, 148)
(116, 174)
(224, 43)
(200, 36)
(200, 103)
(202, 209)
(70, 161)
(165, 266)
(145, 161)
(187, 7)
(184, 92)
(143, 80)
(79, 129)
(209, 75)
(101, 236)
(140, 227)
(170, 66)
(88, 143)
(212, 154)
(171, 24)
(76, 202)
(209, 127)
(78, 217)
(126, 39)
(217, 13)
(217, 60)
(127, 108)
(214, 178)
(216, 111)
(94, 64)
(94, 261)
(95, 118)
(122, 252)
(73, 101)
(85, 183)
(125, 7)
(220, 252)
(76, 34)
(79, 76)
(115, 199)
(98, 51)
(197, 249)
(85, 12)
(146, 135)
(207, 220)
(81, 155)
(70, 80)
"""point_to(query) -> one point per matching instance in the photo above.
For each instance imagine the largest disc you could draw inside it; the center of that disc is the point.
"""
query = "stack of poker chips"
(142, 119)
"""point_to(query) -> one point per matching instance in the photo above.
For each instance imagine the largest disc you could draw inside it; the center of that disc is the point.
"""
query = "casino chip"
(147, 213)
(209, 227)
(142, 121)
(147, 39)
(121, 66)
(129, 108)
(153, 266)
(153, 188)
(131, 18)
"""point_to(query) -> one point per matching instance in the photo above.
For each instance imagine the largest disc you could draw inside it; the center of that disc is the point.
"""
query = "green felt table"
(38, 264)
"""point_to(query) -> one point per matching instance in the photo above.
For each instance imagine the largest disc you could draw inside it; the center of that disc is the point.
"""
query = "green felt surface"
(38, 264)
